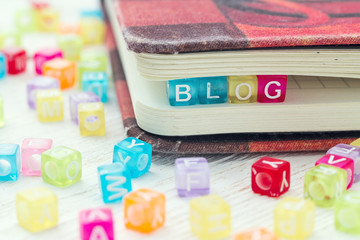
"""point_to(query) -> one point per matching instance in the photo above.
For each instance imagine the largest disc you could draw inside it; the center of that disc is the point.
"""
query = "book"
(222, 143)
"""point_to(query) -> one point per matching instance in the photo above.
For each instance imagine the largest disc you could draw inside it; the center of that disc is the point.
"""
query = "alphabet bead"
(61, 166)
(271, 88)
(356, 143)
(96, 223)
(242, 89)
(97, 54)
(44, 55)
(134, 154)
(61, 69)
(3, 66)
(92, 30)
(212, 90)
(10, 39)
(294, 218)
(347, 213)
(16, 60)
(324, 184)
(49, 105)
(182, 92)
(9, 162)
(48, 20)
(210, 217)
(115, 182)
(144, 210)
(270, 176)
(37, 209)
(92, 119)
(38, 83)
(25, 20)
(96, 82)
(2, 123)
(71, 46)
(192, 177)
(76, 99)
(31, 151)
(89, 66)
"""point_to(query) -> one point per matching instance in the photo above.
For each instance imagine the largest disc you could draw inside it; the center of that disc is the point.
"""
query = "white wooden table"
(230, 174)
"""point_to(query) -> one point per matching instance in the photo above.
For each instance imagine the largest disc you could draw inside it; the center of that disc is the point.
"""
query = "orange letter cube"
(144, 210)
(61, 69)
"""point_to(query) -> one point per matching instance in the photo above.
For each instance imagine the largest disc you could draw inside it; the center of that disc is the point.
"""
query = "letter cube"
(3, 66)
(38, 83)
(10, 39)
(212, 90)
(61, 69)
(144, 210)
(92, 119)
(324, 184)
(355, 143)
(31, 151)
(242, 89)
(71, 46)
(2, 123)
(61, 166)
(96, 223)
(92, 13)
(48, 20)
(294, 218)
(16, 60)
(270, 176)
(192, 176)
(271, 88)
(96, 82)
(76, 99)
(37, 209)
(49, 105)
(97, 54)
(255, 234)
(134, 154)
(44, 55)
(92, 31)
(342, 162)
(25, 20)
(183, 92)
(347, 213)
(68, 28)
(9, 162)
(89, 66)
(115, 182)
(348, 151)
(210, 217)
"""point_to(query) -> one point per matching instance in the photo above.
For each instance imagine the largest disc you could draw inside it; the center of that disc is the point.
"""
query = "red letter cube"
(16, 59)
(271, 88)
(270, 176)
(341, 162)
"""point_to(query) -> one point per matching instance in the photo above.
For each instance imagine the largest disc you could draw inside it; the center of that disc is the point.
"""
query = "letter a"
(98, 233)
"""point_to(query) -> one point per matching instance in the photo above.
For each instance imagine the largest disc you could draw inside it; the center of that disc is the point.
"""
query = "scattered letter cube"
(210, 217)
(49, 105)
(25, 20)
(1, 113)
(144, 210)
(271, 88)
(96, 54)
(9, 162)
(37, 83)
(91, 119)
(71, 46)
(115, 182)
(324, 184)
(92, 31)
(61, 69)
(89, 66)
(242, 89)
(76, 99)
(192, 177)
(96, 224)
(61, 166)
(3, 66)
(44, 55)
(37, 209)
(183, 92)
(256, 234)
(31, 151)
(134, 154)
(48, 20)
(342, 162)
(294, 218)
(356, 143)
(270, 176)
(347, 213)
(212, 90)
(10, 39)
(16, 60)
(96, 82)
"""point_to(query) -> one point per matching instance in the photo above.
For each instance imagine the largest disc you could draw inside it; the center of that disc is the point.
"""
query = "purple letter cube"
(192, 176)
(96, 223)
(348, 151)
(76, 99)
(44, 55)
(37, 83)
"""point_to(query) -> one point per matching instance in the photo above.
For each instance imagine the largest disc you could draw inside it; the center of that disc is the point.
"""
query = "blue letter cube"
(3, 66)
(96, 82)
(9, 162)
(183, 92)
(212, 90)
(115, 182)
(134, 154)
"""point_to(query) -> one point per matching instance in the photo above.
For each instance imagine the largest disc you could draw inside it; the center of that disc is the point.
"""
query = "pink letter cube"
(44, 55)
(96, 223)
(31, 151)
(341, 162)
(271, 88)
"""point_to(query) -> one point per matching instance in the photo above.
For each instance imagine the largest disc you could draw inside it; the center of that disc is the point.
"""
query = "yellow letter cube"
(92, 31)
(294, 218)
(48, 20)
(49, 105)
(242, 89)
(356, 143)
(210, 217)
(91, 119)
(37, 209)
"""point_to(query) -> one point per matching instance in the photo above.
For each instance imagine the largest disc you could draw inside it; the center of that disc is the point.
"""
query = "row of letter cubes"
(234, 89)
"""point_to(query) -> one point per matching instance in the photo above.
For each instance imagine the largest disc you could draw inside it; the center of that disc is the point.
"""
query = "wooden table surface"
(230, 174)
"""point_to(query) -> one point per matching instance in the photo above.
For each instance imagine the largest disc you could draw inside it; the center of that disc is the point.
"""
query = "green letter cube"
(97, 54)
(347, 213)
(324, 184)
(61, 166)
(25, 20)
(71, 46)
